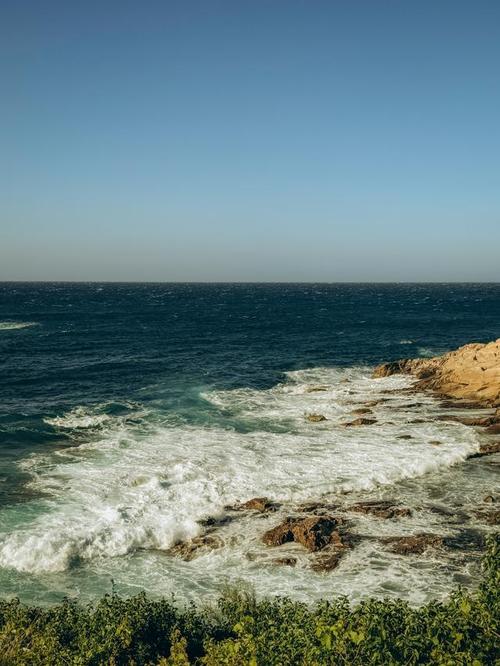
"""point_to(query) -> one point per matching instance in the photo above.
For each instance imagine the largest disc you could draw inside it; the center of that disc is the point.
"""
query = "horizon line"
(257, 282)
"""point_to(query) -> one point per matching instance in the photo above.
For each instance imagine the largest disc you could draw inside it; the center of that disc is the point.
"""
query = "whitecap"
(14, 325)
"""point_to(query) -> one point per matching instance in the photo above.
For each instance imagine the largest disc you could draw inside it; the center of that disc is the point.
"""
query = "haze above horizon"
(250, 141)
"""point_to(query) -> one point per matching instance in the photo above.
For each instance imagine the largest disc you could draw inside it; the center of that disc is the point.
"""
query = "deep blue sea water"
(94, 375)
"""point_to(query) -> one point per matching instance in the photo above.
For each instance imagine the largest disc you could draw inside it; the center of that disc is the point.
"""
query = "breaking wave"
(143, 485)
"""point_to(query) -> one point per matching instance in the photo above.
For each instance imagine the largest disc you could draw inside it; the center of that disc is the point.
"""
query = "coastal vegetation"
(240, 630)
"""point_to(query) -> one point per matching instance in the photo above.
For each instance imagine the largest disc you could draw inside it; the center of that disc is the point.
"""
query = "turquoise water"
(129, 413)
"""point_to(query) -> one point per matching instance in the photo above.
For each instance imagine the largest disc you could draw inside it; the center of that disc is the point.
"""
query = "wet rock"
(491, 517)
(362, 410)
(465, 540)
(393, 368)
(413, 545)
(261, 504)
(317, 507)
(328, 561)
(493, 429)
(490, 499)
(360, 422)
(442, 511)
(315, 418)
(381, 509)
(286, 561)
(489, 421)
(435, 442)
(199, 545)
(313, 532)
(404, 437)
(486, 450)
(215, 521)
(280, 534)
(316, 389)
(461, 404)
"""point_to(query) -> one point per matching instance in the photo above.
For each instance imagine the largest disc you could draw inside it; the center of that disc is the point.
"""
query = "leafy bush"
(241, 631)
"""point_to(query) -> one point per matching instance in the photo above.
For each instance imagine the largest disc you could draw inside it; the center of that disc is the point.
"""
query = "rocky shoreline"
(465, 379)
(470, 373)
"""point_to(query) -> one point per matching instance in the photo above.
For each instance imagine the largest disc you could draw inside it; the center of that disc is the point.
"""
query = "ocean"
(131, 413)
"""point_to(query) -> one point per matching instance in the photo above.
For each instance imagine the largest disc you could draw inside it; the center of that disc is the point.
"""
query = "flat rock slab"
(413, 545)
(381, 509)
(362, 421)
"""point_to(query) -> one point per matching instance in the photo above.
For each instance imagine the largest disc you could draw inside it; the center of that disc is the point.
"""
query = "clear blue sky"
(250, 140)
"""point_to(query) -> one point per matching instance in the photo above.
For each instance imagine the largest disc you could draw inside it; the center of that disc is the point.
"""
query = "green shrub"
(241, 631)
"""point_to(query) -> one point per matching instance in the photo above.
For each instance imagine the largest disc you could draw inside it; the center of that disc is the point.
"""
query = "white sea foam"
(80, 417)
(14, 325)
(145, 486)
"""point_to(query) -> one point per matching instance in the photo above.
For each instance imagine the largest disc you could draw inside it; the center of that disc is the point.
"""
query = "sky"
(250, 140)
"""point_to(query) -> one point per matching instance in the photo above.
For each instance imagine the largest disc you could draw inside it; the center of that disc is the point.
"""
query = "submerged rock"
(317, 507)
(381, 509)
(362, 410)
(465, 540)
(360, 422)
(215, 521)
(329, 560)
(491, 517)
(316, 418)
(286, 561)
(199, 545)
(413, 545)
(313, 532)
(316, 389)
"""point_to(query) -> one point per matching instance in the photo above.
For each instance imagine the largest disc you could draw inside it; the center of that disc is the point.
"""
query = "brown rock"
(313, 532)
(362, 410)
(199, 545)
(412, 545)
(381, 509)
(315, 418)
(286, 561)
(490, 499)
(280, 534)
(360, 422)
(405, 437)
(486, 450)
(493, 429)
(470, 373)
(489, 517)
(461, 404)
(317, 507)
(260, 504)
(328, 561)
(316, 389)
